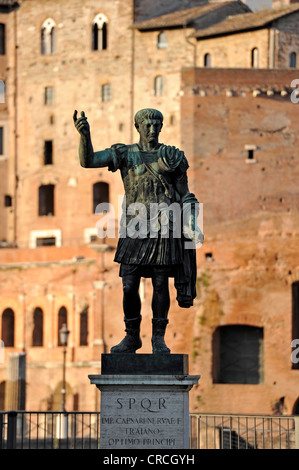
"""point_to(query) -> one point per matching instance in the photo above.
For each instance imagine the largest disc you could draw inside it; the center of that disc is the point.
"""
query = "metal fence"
(81, 430)
(243, 432)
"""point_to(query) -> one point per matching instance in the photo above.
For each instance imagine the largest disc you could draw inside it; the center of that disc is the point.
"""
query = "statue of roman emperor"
(154, 176)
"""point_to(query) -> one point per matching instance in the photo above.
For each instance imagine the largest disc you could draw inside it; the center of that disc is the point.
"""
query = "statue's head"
(148, 123)
(148, 113)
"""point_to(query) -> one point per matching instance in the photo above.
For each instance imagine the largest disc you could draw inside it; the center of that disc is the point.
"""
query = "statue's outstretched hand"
(81, 124)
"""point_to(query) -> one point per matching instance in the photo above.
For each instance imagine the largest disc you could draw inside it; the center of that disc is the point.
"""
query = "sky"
(259, 4)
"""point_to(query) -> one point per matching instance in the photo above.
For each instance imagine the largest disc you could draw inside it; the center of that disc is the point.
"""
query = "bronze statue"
(153, 175)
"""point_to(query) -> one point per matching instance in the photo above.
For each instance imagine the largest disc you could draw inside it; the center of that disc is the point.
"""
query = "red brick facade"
(237, 128)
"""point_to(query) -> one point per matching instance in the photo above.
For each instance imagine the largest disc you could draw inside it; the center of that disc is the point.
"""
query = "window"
(162, 40)
(295, 316)
(46, 199)
(250, 150)
(48, 237)
(2, 39)
(296, 407)
(62, 319)
(1, 141)
(2, 394)
(48, 152)
(38, 327)
(84, 327)
(49, 95)
(250, 154)
(99, 33)
(159, 85)
(2, 91)
(100, 195)
(208, 60)
(7, 200)
(293, 60)
(106, 92)
(255, 58)
(48, 37)
(8, 327)
(238, 354)
(47, 241)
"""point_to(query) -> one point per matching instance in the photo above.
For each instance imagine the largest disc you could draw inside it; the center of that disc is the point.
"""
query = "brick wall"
(235, 50)
(250, 225)
(77, 74)
(7, 121)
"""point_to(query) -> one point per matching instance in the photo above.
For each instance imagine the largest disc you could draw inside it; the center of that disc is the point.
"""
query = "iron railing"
(219, 431)
(81, 430)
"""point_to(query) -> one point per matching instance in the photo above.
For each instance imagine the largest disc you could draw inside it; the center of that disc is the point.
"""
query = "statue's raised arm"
(88, 158)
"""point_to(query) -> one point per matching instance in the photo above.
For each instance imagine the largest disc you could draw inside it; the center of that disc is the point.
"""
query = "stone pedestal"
(144, 401)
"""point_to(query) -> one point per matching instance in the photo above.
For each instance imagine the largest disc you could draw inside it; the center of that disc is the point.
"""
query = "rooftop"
(247, 21)
(181, 18)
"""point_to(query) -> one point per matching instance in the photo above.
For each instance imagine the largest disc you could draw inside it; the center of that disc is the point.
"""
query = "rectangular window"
(238, 355)
(49, 237)
(49, 95)
(49, 241)
(159, 85)
(250, 154)
(48, 152)
(84, 327)
(7, 200)
(1, 140)
(295, 325)
(2, 39)
(46, 200)
(106, 92)
(2, 91)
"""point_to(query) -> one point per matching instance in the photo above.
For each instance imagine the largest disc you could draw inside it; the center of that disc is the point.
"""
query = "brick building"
(197, 62)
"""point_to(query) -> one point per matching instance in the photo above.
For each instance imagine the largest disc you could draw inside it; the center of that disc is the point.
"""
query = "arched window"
(62, 319)
(100, 33)
(84, 327)
(238, 354)
(48, 37)
(38, 327)
(255, 59)
(159, 85)
(8, 327)
(162, 42)
(100, 195)
(208, 60)
(293, 60)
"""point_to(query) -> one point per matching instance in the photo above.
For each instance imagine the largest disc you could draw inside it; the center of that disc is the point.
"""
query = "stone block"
(144, 411)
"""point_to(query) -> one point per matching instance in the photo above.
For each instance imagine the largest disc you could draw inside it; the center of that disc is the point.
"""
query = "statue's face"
(149, 130)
